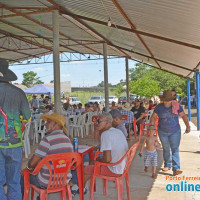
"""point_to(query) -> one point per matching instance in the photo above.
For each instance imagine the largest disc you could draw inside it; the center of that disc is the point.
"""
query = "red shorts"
(104, 171)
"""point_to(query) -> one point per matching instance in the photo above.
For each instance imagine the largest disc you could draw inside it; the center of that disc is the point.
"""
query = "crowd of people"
(112, 130)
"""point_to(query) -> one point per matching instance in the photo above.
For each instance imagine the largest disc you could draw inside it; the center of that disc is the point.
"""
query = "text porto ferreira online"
(183, 185)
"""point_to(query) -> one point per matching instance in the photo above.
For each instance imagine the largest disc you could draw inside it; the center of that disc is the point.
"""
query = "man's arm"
(153, 118)
(185, 119)
(141, 116)
(106, 157)
(32, 163)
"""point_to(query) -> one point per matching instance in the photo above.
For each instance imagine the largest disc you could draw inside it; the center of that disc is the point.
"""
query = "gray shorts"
(150, 158)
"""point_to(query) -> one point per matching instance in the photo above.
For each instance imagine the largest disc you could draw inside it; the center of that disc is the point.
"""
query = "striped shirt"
(54, 143)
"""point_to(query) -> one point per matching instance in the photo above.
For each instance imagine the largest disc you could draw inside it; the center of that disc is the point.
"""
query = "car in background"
(112, 98)
(98, 99)
(74, 100)
(122, 100)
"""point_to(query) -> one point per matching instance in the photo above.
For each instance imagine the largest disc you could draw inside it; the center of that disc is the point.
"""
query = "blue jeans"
(10, 166)
(171, 141)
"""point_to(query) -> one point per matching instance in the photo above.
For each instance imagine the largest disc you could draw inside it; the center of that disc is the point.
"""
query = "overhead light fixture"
(109, 22)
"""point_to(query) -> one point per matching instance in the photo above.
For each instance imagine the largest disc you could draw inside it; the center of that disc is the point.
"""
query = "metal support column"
(106, 76)
(127, 81)
(56, 62)
(198, 99)
(189, 103)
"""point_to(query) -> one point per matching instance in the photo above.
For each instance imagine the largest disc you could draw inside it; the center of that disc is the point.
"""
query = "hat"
(167, 95)
(127, 106)
(5, 73)
(56, 118)
(151, 127)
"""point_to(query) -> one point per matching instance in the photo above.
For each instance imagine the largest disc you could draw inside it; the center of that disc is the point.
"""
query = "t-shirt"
(114, 140)
(14, 103)
(122, 128)
(54, 143)
(168, 121)
(138, 111)
(35, 103)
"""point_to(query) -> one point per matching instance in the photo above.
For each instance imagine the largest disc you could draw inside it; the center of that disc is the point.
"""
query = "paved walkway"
(143, 187)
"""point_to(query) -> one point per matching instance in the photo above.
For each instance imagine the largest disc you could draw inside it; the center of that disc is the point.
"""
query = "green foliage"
(119, 90)
(30, 79)
(145, 87)
(159, 79)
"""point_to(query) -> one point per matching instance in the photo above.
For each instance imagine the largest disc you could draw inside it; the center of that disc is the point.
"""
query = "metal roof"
(163, 33)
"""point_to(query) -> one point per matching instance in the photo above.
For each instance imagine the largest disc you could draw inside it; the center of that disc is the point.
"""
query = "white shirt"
(114, 140)
(35, 103)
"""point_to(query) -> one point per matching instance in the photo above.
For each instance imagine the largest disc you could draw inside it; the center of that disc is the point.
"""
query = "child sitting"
(150, 158)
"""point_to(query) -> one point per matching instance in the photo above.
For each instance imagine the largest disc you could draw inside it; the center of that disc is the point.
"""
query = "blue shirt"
(168, 122)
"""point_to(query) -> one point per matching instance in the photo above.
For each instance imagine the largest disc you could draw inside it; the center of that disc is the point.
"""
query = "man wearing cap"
(169, 131)
(138, 112)
(54, 143)
(118, 122)
(13, 103)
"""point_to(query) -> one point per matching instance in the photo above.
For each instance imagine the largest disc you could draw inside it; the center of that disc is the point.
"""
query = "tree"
(145, 87)
(118, 91)
(166, 80)
(30, 79)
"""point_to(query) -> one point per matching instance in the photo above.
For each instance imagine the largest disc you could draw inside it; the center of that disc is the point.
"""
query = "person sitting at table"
(113, 106)
(80, 109)
(96, 107)
(126, 110)
(113, 145)
(118, 122)
(48, 110)
(55, 142)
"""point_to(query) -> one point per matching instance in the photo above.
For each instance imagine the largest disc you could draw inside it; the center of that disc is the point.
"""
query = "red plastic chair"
(125, 118)
(118, 180)
(94, 120)
(62, 163)
(135, 127)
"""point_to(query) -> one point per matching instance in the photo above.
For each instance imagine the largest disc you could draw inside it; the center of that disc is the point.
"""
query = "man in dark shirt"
(13, 103)
(139, 114)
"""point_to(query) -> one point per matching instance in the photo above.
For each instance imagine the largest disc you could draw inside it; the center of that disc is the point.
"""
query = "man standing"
(34, 103)
(13, 103)
(113, 145)
(139, 114)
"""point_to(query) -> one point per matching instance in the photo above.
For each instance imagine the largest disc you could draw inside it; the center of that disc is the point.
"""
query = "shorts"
(150, 158)
(104, 171)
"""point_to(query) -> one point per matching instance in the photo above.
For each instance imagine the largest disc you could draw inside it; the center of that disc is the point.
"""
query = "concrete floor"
(142, 186)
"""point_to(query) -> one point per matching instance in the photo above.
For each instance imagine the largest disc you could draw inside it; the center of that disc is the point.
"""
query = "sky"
(80, 73)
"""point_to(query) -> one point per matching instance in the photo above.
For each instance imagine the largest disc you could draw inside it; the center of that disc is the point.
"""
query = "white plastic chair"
(26, 139)
(79, 127)
(72, 121)
(89, 125)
